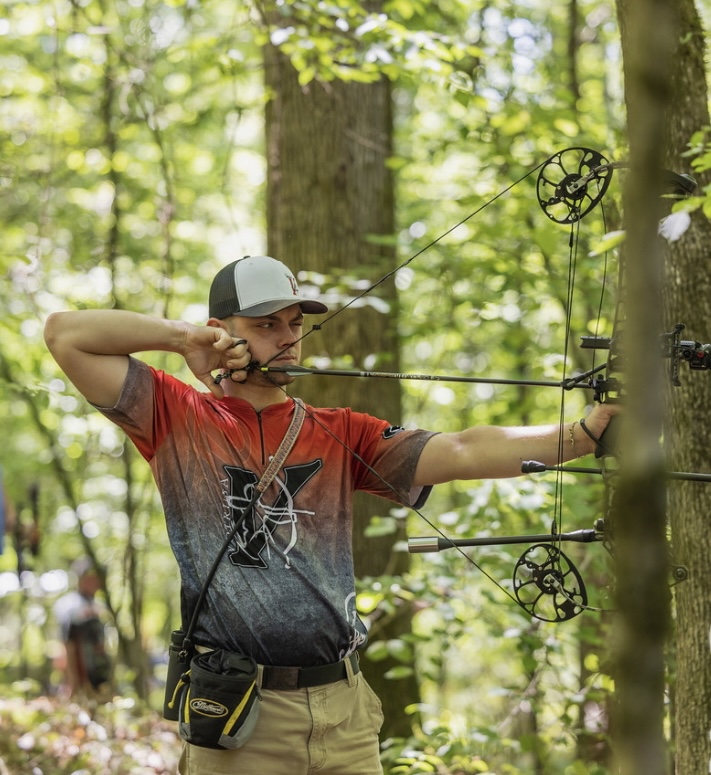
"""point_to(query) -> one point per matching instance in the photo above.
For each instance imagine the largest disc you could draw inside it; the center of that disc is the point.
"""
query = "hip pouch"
(218, 700)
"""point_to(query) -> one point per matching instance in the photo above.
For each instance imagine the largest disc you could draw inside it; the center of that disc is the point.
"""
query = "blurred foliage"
(699, 153)
(43, 736)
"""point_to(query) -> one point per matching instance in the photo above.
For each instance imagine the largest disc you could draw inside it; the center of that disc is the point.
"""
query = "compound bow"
(546, 583)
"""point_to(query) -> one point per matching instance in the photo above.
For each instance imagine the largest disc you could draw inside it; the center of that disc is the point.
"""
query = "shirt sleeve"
(137, 411)
(387, 460)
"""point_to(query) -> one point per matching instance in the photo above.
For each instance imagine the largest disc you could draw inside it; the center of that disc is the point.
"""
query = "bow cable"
(415, 255)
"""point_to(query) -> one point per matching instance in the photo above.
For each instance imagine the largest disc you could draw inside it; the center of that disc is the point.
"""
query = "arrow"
(301, 371)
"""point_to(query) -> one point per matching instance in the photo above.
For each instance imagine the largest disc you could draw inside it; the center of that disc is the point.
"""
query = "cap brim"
(308, 307)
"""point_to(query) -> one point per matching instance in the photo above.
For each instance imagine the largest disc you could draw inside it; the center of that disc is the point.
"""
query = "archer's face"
(273, 340)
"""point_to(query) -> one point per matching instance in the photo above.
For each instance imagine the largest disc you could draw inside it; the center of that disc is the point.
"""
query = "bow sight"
(671, 345)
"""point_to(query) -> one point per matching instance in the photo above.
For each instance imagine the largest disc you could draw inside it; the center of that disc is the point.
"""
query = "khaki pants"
(325, 730)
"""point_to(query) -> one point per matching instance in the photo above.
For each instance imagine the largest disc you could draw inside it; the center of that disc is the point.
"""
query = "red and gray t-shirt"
(284, 591)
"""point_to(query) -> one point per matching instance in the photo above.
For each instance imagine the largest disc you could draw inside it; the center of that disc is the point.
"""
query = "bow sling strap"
(297, 420)
(214, 694)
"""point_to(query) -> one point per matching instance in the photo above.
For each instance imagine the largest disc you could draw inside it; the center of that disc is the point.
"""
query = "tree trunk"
(639, 509)
(686, 300)
(329, 191)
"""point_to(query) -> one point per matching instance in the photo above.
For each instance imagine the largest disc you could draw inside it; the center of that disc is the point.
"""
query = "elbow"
(55, 330)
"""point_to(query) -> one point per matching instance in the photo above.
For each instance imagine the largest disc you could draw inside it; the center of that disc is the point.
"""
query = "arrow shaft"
(303, 371)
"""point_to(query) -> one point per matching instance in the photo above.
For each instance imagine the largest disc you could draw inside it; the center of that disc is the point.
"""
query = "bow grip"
(608, 441)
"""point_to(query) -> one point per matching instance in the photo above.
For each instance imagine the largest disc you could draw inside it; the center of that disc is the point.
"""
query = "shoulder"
(345, 418)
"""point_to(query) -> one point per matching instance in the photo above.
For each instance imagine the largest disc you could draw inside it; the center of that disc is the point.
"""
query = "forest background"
(137, 160)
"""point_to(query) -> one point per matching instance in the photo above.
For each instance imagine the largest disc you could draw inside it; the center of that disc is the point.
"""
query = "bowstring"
(574, 244)
(415, 255)
(573, 247)
(398, 495)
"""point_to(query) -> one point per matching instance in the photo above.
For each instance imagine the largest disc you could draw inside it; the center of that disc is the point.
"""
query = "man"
(284, 591)
(87, 666)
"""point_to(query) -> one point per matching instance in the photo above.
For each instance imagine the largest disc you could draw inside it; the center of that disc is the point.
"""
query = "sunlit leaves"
(699, 152)
(133, 164)
(350, 42)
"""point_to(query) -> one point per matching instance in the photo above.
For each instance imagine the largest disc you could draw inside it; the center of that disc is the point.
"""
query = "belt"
(290, 678)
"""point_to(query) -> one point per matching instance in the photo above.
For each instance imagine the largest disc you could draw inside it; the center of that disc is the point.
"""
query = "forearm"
(490, 452)
(111, 332)
(507, 448)
(91, 347)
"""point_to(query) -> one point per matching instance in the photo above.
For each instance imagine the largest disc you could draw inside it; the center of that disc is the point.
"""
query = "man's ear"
(216, 323)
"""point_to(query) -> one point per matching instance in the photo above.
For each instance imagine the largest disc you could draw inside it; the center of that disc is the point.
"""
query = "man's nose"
(287, 337)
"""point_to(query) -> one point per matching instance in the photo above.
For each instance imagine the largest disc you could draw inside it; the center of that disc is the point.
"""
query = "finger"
(238, 375)
(239, 362)
(227, 342)
(213, 386)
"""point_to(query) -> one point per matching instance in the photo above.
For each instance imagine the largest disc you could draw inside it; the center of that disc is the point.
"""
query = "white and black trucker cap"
(257, 285)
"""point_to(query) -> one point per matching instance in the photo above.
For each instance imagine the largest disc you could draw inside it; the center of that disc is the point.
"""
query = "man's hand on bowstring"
(207, 349)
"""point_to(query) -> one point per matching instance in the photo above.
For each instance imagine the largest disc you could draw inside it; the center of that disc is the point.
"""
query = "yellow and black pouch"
(218, 700)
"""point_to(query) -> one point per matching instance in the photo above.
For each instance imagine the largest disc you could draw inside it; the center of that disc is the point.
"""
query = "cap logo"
(294, 286)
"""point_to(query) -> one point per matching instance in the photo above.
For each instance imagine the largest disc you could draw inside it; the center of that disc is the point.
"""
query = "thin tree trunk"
(686, 300)
(639, 509)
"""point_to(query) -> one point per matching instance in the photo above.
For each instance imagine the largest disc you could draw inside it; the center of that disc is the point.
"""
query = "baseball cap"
(254, 286)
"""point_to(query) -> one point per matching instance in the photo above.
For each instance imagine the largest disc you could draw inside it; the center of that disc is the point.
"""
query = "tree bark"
(639, 509)
(687, 301)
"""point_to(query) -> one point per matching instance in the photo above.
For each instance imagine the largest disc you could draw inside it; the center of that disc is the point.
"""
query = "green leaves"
(132, 165)
(345, 41)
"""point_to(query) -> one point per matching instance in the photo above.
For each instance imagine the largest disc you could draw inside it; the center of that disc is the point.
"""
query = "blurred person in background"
(79, 615)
